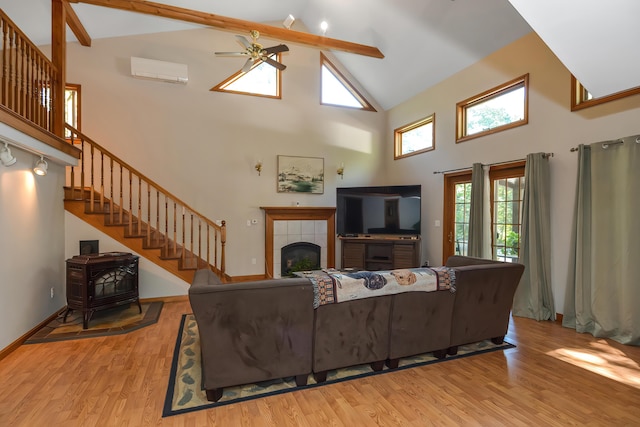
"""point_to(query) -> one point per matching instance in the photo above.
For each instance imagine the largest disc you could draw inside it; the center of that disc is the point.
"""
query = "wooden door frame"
(448, 215)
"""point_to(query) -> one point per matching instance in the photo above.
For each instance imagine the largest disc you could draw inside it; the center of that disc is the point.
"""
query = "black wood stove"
(101, 281)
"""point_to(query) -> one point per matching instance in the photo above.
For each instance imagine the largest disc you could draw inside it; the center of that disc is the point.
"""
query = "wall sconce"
(258, 166)
(5, 156)
(41, 167)
(341, 170)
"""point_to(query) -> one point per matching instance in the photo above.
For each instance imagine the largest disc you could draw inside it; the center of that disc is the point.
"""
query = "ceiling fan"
(256, 52)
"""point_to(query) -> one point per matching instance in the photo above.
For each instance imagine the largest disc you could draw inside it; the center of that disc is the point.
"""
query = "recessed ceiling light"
(323, 26)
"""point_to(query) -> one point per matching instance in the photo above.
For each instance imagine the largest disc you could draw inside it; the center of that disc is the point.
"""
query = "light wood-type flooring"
(554, 377)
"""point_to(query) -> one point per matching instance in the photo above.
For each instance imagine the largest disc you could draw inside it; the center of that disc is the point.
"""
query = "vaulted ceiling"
(423, 41)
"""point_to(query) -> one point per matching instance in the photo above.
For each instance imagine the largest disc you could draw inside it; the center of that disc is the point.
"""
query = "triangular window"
(335, 89)
(261, 80)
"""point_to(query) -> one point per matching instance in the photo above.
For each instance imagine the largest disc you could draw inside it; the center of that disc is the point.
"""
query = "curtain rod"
(606, 145)
(545, 155)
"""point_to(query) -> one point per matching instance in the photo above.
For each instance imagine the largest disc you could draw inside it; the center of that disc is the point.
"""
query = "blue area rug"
(185, 392)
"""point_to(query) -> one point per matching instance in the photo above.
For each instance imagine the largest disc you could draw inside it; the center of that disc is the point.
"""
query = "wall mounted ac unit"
(159, 70)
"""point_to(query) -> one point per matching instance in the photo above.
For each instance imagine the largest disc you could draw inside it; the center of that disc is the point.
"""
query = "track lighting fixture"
(5, 155)
(41, 167)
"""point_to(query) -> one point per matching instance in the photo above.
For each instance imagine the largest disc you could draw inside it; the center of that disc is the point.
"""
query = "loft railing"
(128, 198)
(27, 76)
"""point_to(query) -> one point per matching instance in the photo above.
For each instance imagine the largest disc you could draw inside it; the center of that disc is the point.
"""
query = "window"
(336, 90)
(415, 138)
(71, 107)
(507, 190)
(581, 98)
(501, 108)
(261, 80)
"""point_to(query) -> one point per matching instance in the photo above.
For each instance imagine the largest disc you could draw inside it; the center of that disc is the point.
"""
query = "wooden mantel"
(293, 213)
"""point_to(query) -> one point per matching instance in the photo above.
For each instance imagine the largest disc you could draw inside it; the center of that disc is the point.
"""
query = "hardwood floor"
(554, 377)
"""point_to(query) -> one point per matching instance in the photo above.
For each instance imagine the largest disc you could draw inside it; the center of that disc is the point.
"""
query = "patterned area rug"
(185, 392)
(118, 320)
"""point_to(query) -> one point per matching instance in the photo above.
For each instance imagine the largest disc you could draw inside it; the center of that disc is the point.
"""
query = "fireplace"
(101, 281)
(285, 225)
(299, 256)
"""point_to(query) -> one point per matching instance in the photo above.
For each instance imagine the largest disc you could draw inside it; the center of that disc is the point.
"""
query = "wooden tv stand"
(380, 253)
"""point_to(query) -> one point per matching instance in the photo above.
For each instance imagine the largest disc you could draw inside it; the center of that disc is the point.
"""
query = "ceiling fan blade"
(243, 41)
(247, 65)
(274, 63)
(231, 53)
(276, 49)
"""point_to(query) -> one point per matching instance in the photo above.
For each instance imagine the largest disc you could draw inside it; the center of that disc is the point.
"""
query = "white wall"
(552, 128)
(31, 246)
(202, 145)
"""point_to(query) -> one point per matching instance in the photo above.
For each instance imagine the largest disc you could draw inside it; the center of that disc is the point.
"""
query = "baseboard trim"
(17, 343)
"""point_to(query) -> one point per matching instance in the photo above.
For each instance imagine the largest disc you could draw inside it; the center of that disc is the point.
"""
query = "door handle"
(450, 237)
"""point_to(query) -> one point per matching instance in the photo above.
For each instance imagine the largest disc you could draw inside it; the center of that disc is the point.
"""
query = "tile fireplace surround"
(284, 225)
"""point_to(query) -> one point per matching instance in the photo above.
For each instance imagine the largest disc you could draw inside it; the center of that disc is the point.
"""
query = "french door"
(506, 194)
(457, 202)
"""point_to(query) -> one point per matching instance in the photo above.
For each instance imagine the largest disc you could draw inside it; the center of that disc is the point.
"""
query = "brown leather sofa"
(268, 329)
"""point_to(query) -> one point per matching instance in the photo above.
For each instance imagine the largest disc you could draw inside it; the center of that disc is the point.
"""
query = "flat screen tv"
(378, 211)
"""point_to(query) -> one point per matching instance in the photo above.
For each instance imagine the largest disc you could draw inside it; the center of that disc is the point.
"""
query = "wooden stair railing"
(27, 76)
(125, 197)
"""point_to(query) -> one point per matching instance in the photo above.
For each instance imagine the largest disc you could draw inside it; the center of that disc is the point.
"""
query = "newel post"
(58, 58)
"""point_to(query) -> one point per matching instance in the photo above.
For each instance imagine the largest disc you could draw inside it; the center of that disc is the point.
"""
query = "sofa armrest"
(483, 300)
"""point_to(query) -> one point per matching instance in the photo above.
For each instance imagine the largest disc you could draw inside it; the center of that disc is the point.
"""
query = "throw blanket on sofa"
(334, 287)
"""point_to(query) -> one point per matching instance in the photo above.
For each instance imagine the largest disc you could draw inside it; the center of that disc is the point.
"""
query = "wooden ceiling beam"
(76, 26)
(232, 24)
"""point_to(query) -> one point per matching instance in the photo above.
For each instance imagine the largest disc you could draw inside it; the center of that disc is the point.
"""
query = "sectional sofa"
(268, 329)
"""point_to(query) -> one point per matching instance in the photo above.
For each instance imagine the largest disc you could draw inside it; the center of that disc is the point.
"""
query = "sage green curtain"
(603, 288)
(534, 296)
(577, 303)
(476, 212)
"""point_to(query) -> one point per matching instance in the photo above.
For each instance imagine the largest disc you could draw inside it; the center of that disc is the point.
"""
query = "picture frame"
(89, 247)
(300, 174)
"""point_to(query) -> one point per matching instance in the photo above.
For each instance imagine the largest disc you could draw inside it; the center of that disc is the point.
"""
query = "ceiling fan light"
(5, 156)
(41, 167)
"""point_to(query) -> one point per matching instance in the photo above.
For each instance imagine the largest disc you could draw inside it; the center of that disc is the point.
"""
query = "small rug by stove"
(114, 321)
(186, 394)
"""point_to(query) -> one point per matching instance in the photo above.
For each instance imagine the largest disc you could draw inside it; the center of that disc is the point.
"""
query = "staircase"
(110, 195)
